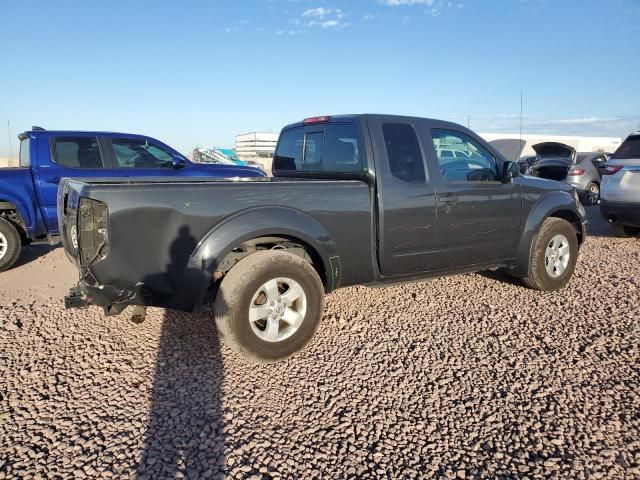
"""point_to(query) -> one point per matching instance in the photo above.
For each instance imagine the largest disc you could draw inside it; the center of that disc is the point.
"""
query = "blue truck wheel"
(10, 245)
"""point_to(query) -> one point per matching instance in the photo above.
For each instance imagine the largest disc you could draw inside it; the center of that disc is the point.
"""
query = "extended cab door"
(479, 217)
(406, 197)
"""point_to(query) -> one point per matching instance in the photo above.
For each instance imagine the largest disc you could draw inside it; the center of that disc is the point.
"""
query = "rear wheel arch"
(280, 225)
(10, 212)
(290, 244)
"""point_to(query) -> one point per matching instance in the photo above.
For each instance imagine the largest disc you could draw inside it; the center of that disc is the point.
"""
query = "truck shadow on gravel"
(185, 437)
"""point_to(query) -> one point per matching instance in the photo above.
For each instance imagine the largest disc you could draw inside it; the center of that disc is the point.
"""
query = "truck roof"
(40, 132)
(365, 116)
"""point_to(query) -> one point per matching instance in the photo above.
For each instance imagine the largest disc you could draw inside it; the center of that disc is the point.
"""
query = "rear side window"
(77, 152)
(341, 150)
(25, 154)
(330, 148)
(289, 153)
(403, 152)
(139, 153)
(630, 148)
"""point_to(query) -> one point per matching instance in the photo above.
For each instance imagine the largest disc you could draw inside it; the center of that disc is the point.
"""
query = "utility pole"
(10, 138)
(469, 121)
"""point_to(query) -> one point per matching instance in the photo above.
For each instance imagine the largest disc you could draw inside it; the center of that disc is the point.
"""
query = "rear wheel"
(269, 306)
(10, 244)
(553, 256)
(623, 231)
(592, 194)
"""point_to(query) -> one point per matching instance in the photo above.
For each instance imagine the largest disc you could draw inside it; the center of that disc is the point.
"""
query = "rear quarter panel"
(155, 229)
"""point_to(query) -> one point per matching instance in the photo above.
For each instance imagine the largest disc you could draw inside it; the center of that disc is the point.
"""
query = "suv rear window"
(328, 148)
(630, 148)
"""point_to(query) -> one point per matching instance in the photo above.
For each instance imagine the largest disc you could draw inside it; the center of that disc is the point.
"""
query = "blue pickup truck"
(28, 192)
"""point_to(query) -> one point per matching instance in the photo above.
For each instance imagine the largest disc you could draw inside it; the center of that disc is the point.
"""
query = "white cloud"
(321, 12)
(326, 18)
(400, 3)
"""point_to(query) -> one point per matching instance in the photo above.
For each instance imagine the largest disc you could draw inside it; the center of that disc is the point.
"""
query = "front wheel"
(10, 244)
(553, 256)
(269, 306)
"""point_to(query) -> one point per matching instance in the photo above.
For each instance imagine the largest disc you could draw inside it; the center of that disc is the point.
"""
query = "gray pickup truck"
(355, 199)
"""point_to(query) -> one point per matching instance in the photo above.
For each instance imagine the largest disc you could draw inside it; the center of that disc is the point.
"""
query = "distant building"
(581, 144)
(8, 162)
(257, 147)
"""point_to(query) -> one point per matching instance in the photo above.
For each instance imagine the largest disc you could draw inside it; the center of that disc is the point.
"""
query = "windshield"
(630, 148)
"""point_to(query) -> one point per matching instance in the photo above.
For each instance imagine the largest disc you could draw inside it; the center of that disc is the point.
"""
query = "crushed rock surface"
(472, 376)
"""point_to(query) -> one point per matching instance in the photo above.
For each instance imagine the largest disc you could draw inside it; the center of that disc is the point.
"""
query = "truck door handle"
(53, 180)
(449, 199)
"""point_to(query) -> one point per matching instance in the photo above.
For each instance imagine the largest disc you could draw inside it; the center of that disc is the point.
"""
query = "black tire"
(623, 231)
(237, 290)
(13, 244)
(591, 194)
(538, 278)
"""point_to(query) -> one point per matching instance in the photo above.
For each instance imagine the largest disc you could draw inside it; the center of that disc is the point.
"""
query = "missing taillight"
(93, 234)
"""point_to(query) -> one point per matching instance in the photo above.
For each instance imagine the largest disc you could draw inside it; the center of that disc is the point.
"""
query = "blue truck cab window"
(77, 152)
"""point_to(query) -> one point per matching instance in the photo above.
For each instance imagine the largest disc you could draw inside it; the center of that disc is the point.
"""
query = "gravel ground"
(471, 376)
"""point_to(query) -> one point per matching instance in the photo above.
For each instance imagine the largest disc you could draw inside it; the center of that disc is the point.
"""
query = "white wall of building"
(257, 146)
(8, 162)
(581, 144)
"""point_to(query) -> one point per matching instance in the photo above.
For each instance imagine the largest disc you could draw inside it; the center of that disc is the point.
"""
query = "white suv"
(620, 189)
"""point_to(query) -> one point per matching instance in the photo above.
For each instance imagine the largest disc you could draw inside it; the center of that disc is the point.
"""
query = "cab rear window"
(328, 148)
(630, 148)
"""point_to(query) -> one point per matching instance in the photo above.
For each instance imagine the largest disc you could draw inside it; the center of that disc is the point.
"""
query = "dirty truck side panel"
(176, 245)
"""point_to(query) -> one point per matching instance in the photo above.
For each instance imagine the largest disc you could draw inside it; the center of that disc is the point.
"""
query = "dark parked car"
(28, 192)
(356, 199)
(557, 161)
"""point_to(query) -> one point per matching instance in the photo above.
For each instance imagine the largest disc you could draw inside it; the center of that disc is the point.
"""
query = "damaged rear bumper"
(89, 293)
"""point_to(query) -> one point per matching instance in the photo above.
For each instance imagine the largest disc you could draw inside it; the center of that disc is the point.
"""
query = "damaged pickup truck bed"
(356, 199)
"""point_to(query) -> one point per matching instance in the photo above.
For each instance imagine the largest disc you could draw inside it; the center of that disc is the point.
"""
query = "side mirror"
(510, 170)
(178, 162)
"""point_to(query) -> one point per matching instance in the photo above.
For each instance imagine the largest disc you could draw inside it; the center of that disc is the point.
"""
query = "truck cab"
(28, 192)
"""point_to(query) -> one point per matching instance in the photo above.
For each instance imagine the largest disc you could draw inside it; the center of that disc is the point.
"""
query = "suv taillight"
(93, 235)
(611, 169)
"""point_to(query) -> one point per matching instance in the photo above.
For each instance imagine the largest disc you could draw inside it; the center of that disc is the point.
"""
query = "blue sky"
(200, 72)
